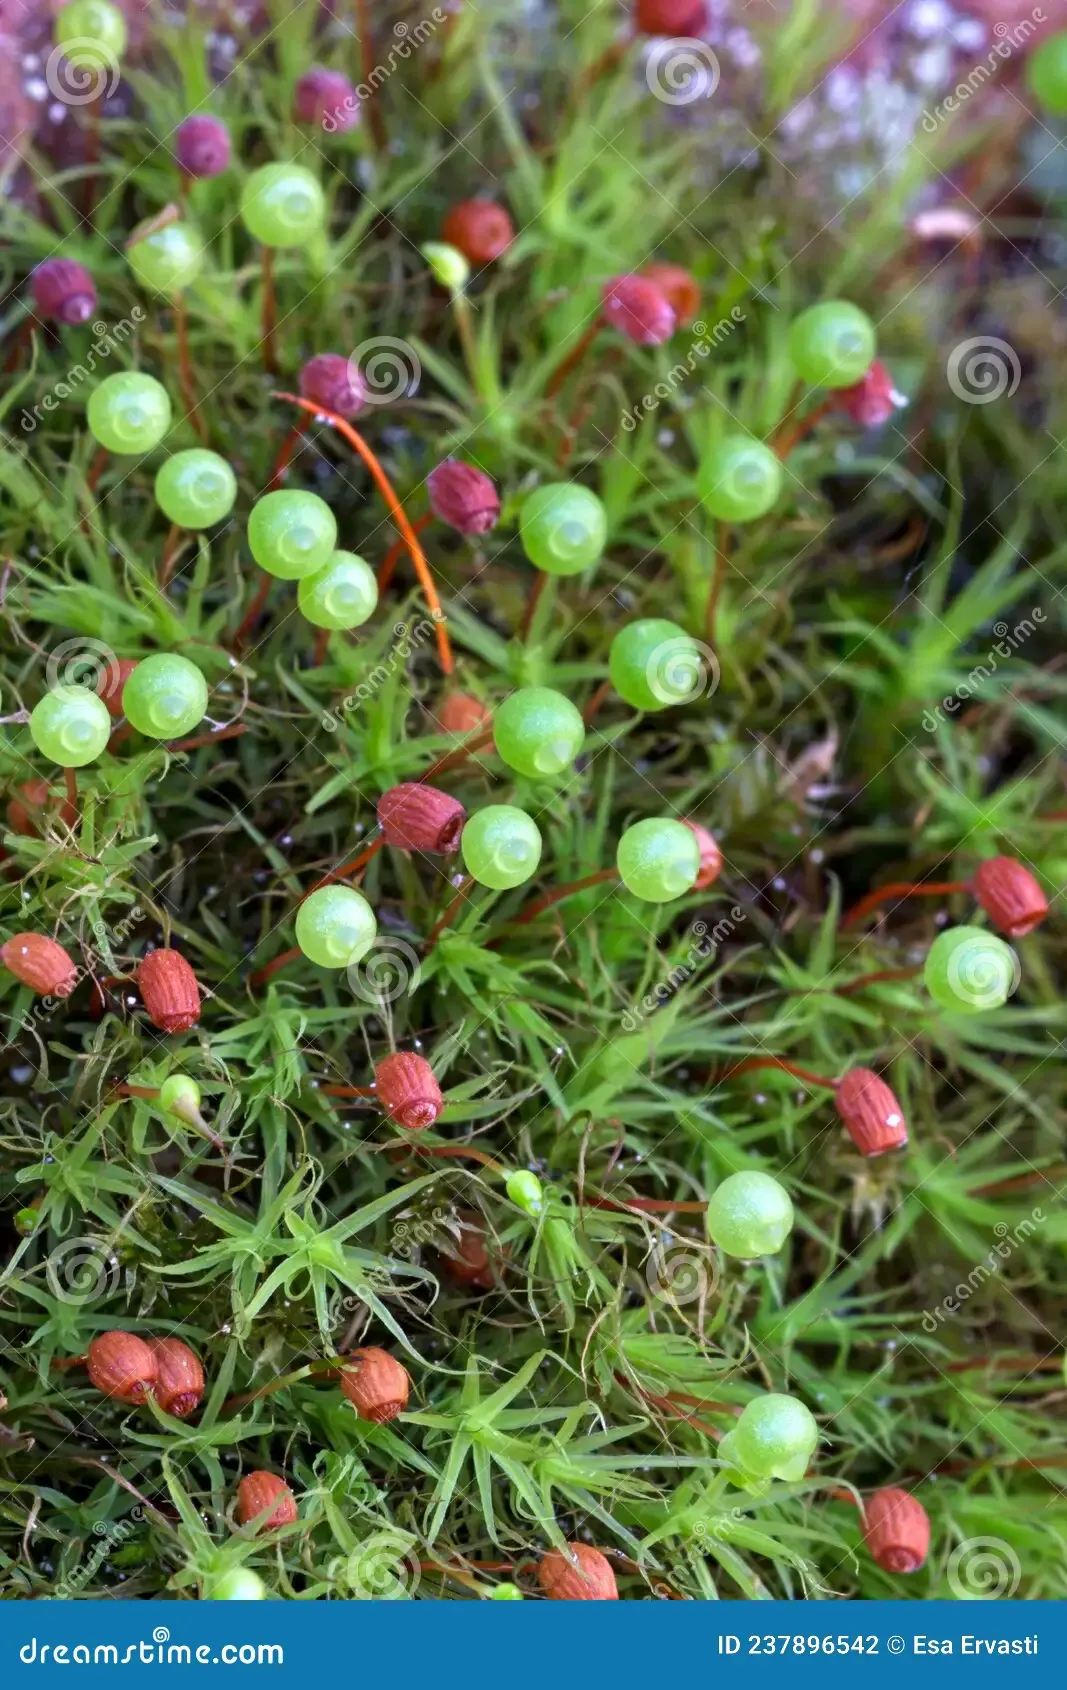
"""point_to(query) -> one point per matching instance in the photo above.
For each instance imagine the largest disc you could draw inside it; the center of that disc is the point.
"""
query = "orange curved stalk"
(400, 517)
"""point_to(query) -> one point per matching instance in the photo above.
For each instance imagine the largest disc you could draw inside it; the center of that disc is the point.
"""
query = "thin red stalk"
(253, 613)
(288, 448)
(137, 1091)
(784, 1067)
(532, 910)
(400, 517)
(22, 336)
(347, 1091)
(647, 1205)
(185, 367)
(97, 467)
(262, 975)
(602, 692)
(270, 313)
(322, 644)
(349, 868)
(314, 1370)
(482, 738)
(451, 909)
(572, 360)
(172, 545)
(69, 812)
(232, 730)
(900, 889)
(366, 56)
(874, 979)
(396, 552)
(722, 556)
(792, 437)
(531, 605)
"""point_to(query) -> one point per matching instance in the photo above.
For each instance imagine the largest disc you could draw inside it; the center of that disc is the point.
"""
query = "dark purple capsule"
(334, 383)
(202, 146)
(63, 291)
(326, 97)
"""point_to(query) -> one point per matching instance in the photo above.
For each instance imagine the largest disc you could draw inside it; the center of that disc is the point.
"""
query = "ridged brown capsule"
(679, 288)
(636, 308)
(466, 1257)
(871, 401)
(481, 229)
(462, 713)
(871, 1112)
(421, 818)
(168, 991)
(407, 1090)
(180, 1377)
(710, 857)
(463, 496)
(25, 806)
(582, 1575)
(122, 1366)
(256, 1492)
(1010, 896)
(375, 1384)
(896, 1528)
(111, 682)
(40, 963)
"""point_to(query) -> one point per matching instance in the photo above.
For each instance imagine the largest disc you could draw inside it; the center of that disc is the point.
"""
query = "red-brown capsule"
(896, 1528)
(24, 808)
(169, 991)
(671, 17)
(407, 1090)
(328, 98)
(679, 288)
(256, 1492)
(481, 229)
(180, 1377)
(376, 1384)
(871, 1113)
(111, 682)
(122, 1366)
(710, 857)
(421, 818)
(63, 291)
(466, 1257)
(871, 401)
(40, 963)
(638, 309)
(583, 1574)
(463, 496)
(333, 381)
(462, 713)
(1010, 896)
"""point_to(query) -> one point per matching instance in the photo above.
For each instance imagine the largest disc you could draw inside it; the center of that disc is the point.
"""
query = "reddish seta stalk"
(396, 552)
(752, 1062)
(900, 889)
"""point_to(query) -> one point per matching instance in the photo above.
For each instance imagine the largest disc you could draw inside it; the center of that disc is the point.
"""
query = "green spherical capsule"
(292, 535)
(92, 34)
(562, 527)
(832, 344)
(658, 859)
(343, 594)
(168, 259)
(749, 1215)
(196, 489)
(240, 1584)
(1046, 74)
(775, 1438)
(654, 664)
(129, 412)
(538, 732)
(165, 696)
(70, 726)
(335, 926)
(180, 1095)
(282, 205)
(968, 969)
(506, 1593)
(526, 1191)
(740, 479)
(501, 846)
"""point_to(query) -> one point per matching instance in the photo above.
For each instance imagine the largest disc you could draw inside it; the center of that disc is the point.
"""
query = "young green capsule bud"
(448, 265)
(526, 1191)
